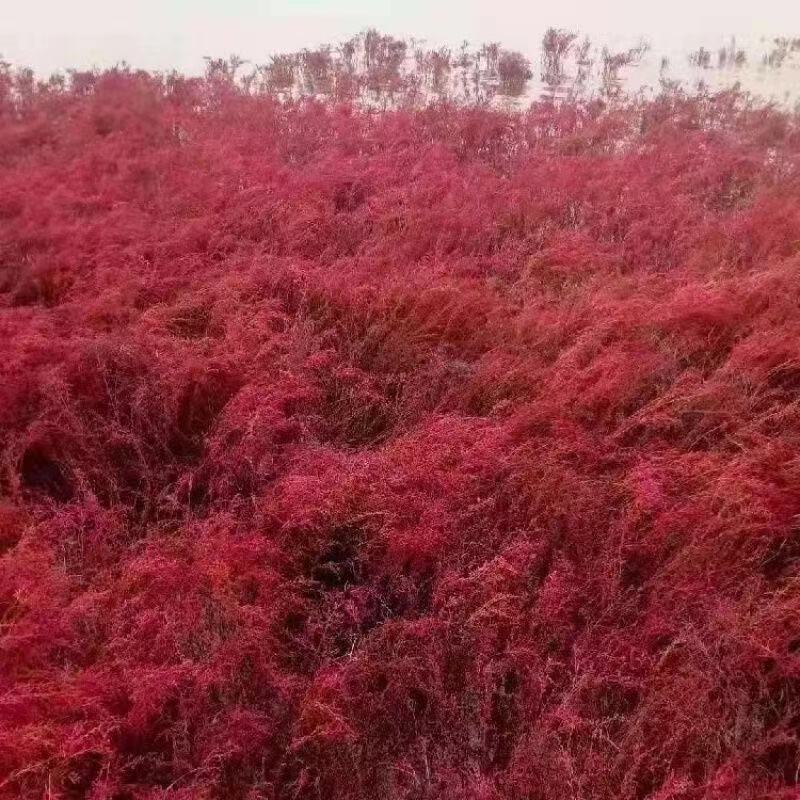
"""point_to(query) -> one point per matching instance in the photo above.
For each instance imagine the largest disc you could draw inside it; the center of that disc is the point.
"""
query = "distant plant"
(514, 72)
(280, 74)
(318, 71)
(731, 56)
(556, 44)
(436, 65)
(584, 63)
(783, 48)
(611, 65)
(700, 58)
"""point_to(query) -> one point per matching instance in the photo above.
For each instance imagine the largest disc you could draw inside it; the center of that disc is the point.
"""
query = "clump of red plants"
(430, 452)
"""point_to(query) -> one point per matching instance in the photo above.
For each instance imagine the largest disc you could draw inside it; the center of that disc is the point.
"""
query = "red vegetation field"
(426, 453)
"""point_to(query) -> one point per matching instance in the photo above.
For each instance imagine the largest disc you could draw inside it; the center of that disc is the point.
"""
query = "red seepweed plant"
(440, 452)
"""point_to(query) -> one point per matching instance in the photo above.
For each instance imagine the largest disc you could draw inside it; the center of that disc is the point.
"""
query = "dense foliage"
(436, 453)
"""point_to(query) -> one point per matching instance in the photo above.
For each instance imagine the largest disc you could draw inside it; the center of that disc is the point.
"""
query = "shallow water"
(392, 71)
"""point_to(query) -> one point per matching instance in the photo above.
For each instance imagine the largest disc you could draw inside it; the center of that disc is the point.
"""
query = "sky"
(50, 35)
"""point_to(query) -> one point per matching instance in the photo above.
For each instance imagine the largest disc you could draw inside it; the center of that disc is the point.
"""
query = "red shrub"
(444, 453)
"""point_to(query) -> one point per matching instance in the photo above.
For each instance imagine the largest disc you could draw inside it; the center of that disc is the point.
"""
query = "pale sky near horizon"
(162, 34)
